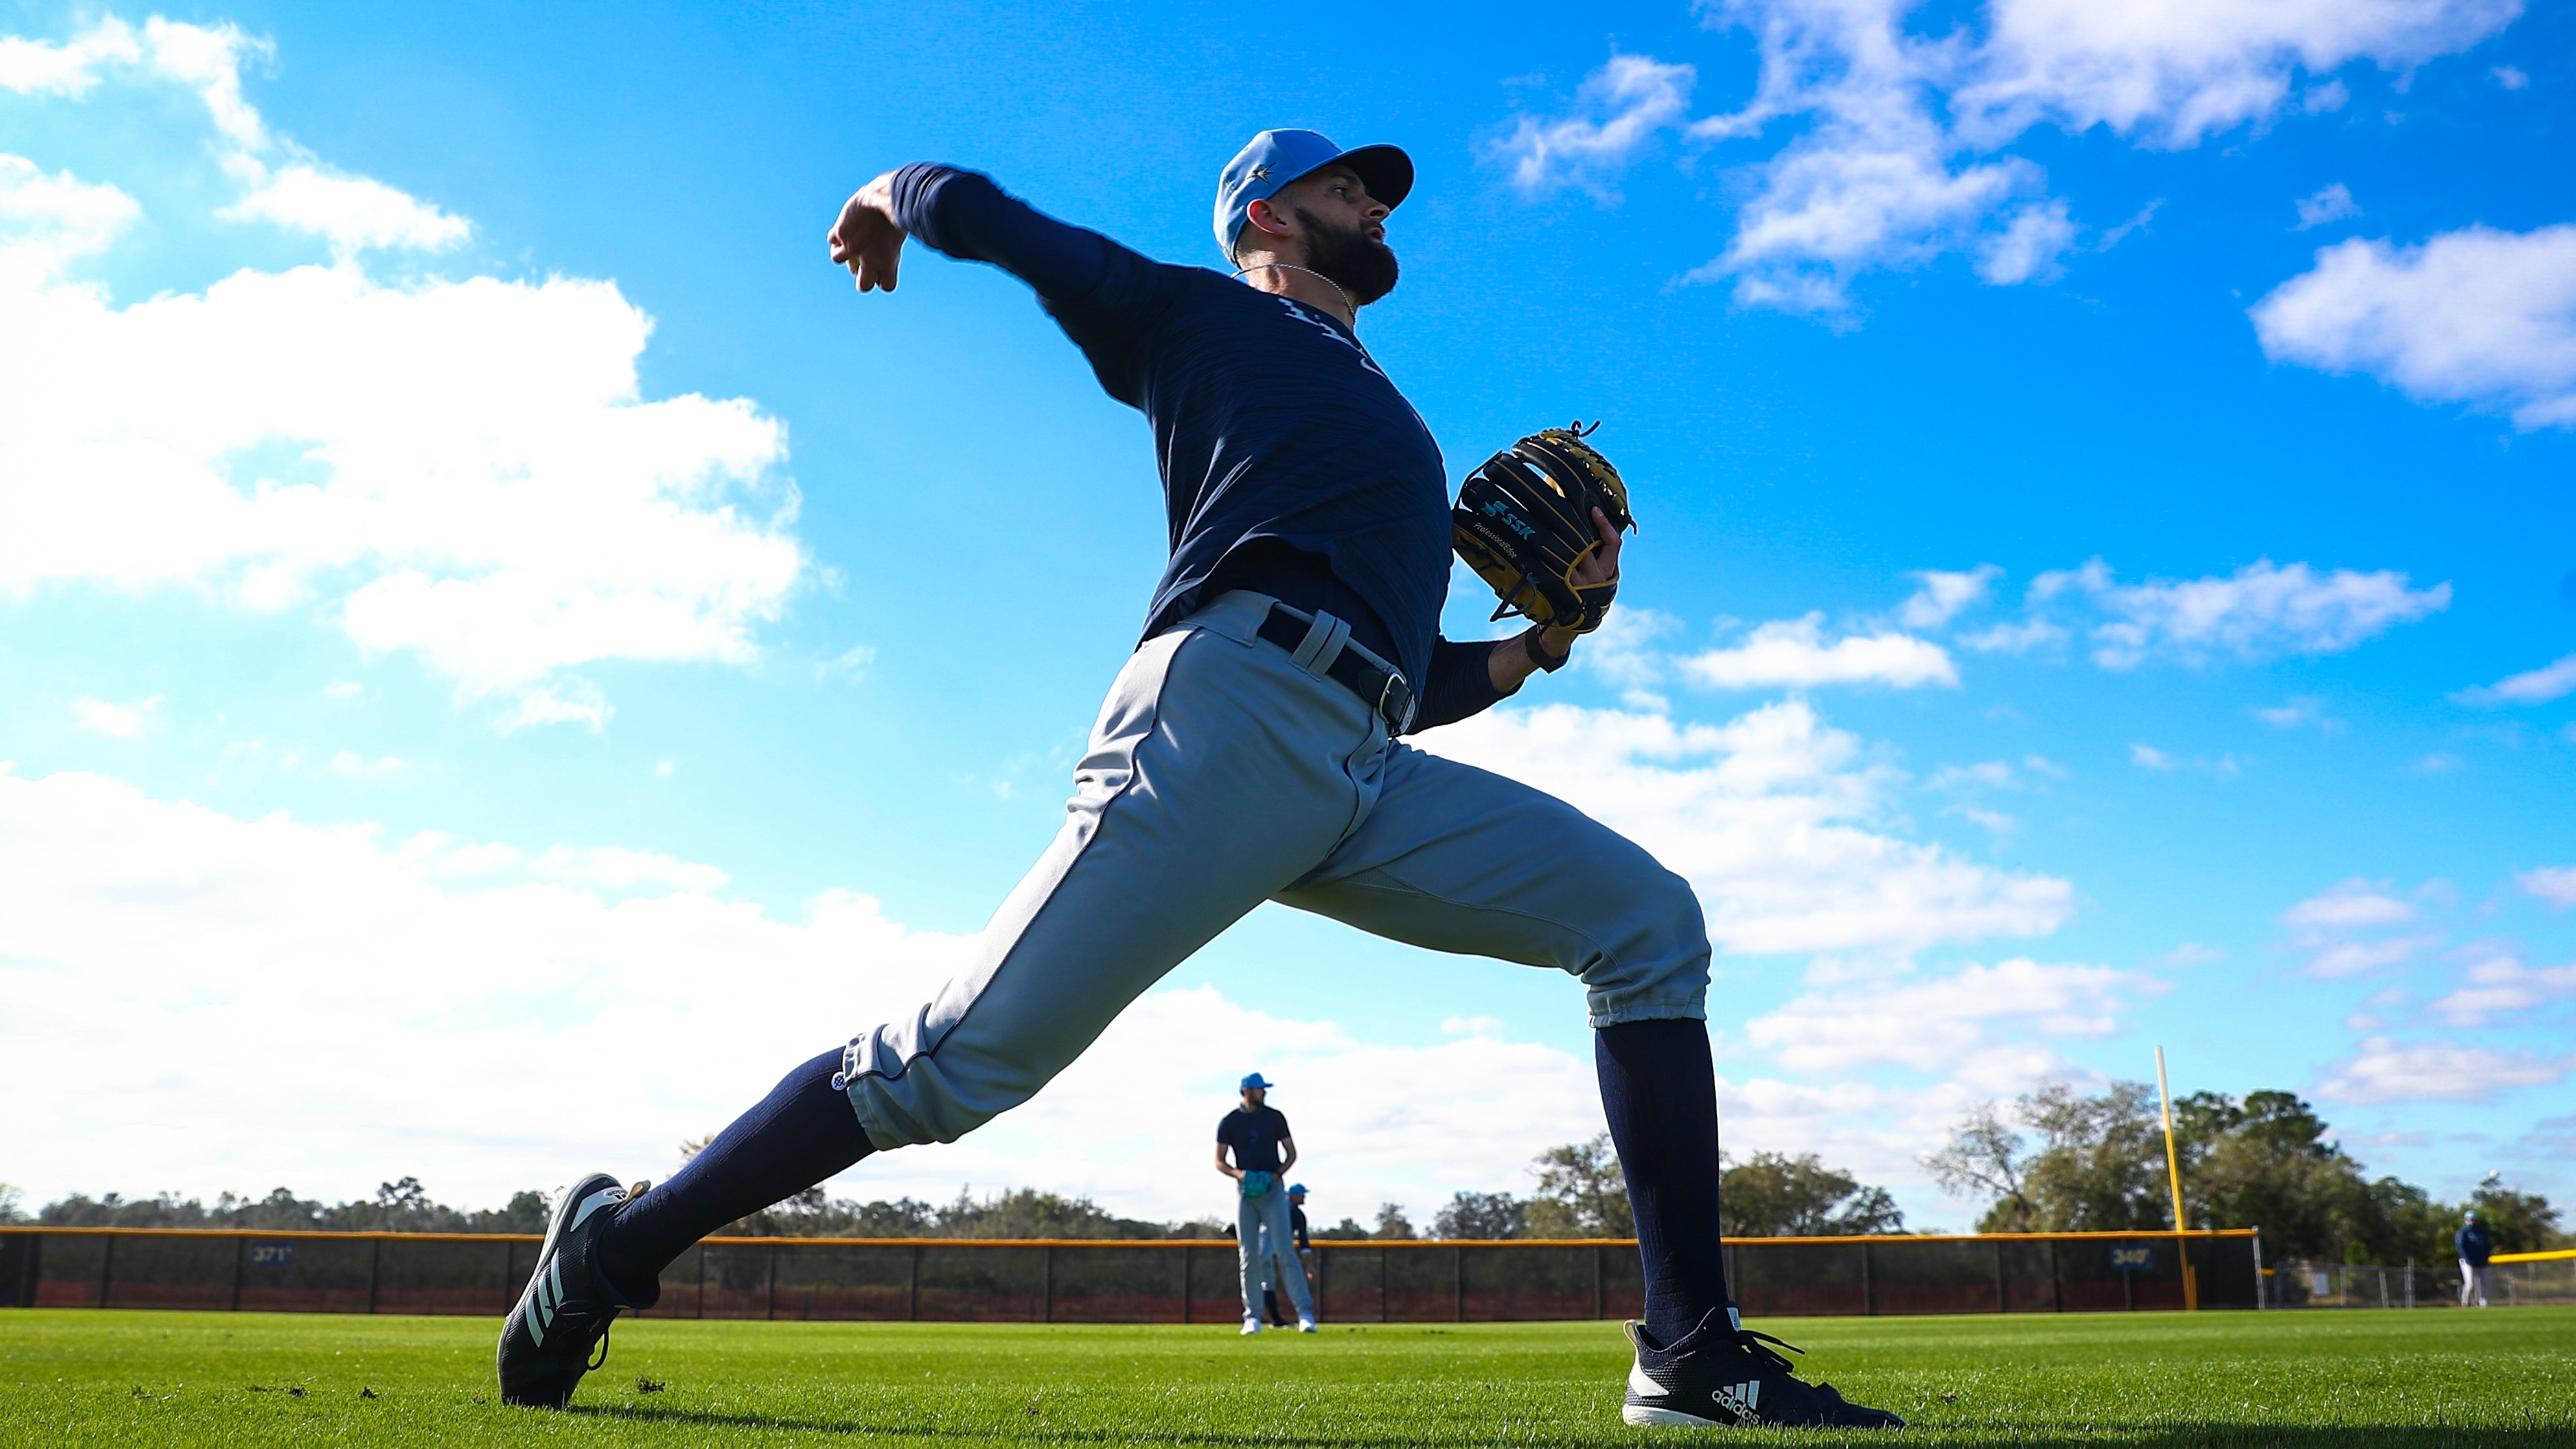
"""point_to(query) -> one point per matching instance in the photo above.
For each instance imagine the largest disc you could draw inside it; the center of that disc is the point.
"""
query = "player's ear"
(1269, 220)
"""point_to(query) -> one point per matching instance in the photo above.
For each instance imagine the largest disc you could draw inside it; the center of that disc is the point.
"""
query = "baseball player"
(1253, 748)
(1257, 1134)
(1303, 1245)
(2475, 1246)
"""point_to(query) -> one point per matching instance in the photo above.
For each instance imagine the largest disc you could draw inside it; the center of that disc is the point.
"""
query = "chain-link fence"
(2513, 1281)
(953, 1280)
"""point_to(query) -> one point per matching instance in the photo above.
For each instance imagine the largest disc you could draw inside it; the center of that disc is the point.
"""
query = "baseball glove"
(1524, 523)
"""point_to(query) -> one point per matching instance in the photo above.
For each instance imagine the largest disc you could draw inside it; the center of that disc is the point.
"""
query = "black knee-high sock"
(1659, 1090)
(800, 1134)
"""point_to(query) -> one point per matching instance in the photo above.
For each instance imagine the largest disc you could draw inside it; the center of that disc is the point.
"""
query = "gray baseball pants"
(1224, 772)
(1265, 1251)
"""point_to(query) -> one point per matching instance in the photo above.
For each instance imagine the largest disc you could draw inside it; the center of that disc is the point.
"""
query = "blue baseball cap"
(1254, 1080)
(1276, 158)
(1298, 1190)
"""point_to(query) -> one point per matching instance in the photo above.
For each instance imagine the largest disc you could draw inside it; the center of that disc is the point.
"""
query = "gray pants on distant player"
(1265, 1251)
(1225, 772)
(2473, 1283)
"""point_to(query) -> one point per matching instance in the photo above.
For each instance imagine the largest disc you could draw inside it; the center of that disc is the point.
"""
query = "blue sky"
(501, 652)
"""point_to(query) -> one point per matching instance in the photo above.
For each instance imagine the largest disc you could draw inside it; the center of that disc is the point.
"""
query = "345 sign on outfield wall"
(2134, 1258)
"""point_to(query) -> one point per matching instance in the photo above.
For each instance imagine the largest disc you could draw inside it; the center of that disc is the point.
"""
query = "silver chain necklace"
(1309, 271)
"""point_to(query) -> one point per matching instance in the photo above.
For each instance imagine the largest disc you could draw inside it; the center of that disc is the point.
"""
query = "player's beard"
(1357, 263)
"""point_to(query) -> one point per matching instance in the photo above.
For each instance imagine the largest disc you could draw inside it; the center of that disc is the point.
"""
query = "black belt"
(1382, 690)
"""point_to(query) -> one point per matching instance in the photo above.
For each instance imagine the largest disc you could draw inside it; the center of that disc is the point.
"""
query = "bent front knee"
(1657, 966)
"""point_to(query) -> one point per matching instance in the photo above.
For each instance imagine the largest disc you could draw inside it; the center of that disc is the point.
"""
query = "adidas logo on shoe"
(547, 1340)
(1721, 1375)
(1740, 1398)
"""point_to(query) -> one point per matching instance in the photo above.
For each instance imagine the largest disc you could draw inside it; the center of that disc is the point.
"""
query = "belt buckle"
(1387, 693)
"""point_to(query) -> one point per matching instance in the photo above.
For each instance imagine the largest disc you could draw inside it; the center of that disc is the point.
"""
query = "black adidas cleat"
(547, 1340)
(1722, 1377)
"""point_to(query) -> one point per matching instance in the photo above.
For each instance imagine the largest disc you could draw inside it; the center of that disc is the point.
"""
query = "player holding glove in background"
(1263, 1152)
(1251, 749)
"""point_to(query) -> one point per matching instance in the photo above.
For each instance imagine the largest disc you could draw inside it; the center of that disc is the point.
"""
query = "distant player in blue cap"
(1252, 749)
(1257, 1134)
(1304, 1245)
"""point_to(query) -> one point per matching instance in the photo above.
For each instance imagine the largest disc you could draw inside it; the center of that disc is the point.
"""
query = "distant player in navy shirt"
(1251, 749)
(1257, 1134)
(2475, 1247)
(1305, 1245)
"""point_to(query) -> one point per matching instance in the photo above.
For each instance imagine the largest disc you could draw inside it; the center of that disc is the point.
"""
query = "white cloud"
(2172, 75)
(2510, 77)
(2532, 686)
(2296, 713)
(1617, 110)
(68, 69)
(2260, 611)
(2383, 1070)
(465, 470)
(208, 60)
(1622, 650)
(1896, 156)
(2020, 638)
(2351, 958)
(851, 663)
(2148, 757)
(1943, 1026)
(624, 869)
(2334, 203)
(1768, 817)
(2500, 985)
(2554, 884)
(353, 212)
(400, 1008)
(2350, 904)
(2192, 953)
(562, 701)
(2028, 248)
(48, 222)
(359, 767)
(1793, 653)
(1995, 774)
(1941, 595)
(123, 721)
(2477, 316)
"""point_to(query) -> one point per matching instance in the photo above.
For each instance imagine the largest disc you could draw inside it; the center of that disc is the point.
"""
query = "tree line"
(397, 1207)
(2056, 1160)
(2052, 1160)
(405, 1207)
(1582, 1193)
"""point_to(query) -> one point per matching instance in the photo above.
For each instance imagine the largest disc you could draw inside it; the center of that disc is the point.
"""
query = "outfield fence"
(1095, 1281)
(2513, 1280)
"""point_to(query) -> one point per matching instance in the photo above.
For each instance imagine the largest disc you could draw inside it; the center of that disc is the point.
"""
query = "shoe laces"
(1745, 1338)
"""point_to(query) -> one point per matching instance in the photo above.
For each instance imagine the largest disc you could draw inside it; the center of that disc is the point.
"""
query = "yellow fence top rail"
(302, 1233)
(2554, 1256)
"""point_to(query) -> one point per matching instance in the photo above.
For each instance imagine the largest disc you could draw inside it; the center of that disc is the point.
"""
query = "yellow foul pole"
(2173, 1175)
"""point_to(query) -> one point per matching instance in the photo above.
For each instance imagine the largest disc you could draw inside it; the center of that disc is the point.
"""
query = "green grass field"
(2307, 1381)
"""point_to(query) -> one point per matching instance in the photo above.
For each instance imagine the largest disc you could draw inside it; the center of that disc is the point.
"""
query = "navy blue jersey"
(1290, 462)
(2474, 1246)
(1255, 1137)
